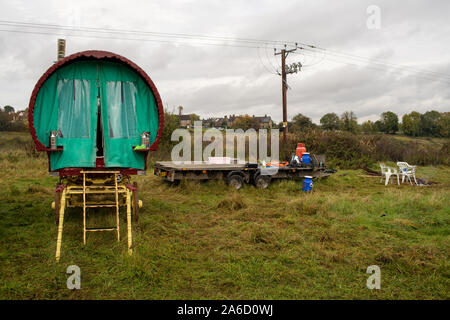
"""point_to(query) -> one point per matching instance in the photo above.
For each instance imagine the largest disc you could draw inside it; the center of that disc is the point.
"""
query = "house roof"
(185, 117)
(263, 119)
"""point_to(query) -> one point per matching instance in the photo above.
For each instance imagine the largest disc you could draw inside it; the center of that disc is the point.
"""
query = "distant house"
(227, 121)
(230, 120)
(18, 116)
(219, 123)
(185, 120)
(258, 122)
(21, 116)
(211, 123)
(264, 122)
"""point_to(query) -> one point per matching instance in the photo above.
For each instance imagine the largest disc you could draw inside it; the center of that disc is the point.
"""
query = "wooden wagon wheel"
(135, 203)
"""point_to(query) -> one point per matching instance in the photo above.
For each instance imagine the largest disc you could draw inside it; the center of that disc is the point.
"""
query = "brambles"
(347, 150)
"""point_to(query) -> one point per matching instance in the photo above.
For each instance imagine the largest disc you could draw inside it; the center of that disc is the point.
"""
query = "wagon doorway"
(116, 124)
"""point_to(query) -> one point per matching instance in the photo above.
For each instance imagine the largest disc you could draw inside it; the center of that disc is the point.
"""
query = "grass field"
(206, 241)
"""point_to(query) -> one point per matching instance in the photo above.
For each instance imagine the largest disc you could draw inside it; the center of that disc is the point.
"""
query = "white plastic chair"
(388, 172)
(407, 171)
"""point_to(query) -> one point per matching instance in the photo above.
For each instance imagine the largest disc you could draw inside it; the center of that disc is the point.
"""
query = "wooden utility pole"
(284, 53)
(283, 92)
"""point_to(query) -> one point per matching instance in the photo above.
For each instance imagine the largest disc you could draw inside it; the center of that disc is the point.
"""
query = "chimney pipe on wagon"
(61, 49)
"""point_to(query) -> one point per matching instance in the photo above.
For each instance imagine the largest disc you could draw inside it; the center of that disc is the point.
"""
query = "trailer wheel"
(236, 181)
(262, 181)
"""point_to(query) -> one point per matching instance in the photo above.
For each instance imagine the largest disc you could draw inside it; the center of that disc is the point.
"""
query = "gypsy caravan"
(97, 115)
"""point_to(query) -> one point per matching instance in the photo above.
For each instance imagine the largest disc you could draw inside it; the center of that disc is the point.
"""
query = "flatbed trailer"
(237, 174)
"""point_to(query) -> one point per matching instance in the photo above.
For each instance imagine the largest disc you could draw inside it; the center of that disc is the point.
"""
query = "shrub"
(347, 150)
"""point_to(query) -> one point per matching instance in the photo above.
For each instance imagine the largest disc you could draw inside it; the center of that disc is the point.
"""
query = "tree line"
(431, 123)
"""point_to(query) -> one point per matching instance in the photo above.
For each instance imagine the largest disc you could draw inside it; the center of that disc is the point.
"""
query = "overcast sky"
(214, 80)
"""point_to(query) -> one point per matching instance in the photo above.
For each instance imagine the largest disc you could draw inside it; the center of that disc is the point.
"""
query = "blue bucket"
(306, 158)
(307, 184)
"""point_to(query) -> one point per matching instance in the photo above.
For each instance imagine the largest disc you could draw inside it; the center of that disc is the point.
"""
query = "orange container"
(300, 150)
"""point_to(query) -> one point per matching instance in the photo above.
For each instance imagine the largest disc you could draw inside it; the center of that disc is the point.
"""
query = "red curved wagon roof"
(100, 55)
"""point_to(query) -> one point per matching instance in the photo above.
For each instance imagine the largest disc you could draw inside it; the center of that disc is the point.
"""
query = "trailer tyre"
(236, 181)
(262, 181)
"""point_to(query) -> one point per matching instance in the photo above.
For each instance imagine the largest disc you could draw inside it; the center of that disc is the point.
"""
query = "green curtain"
(121, 103)
(74, 108)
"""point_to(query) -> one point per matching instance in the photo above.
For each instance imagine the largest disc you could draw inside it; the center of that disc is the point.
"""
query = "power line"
(387, 63)
(314, 61)
(212, 41)
(134, 32)
(284, 71)
(265, 67)
(378, 62)
(271, 63)
(378, 67)
(131, 39)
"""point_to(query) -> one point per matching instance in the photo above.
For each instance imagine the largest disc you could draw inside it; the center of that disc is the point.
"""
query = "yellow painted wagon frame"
(125, 195)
